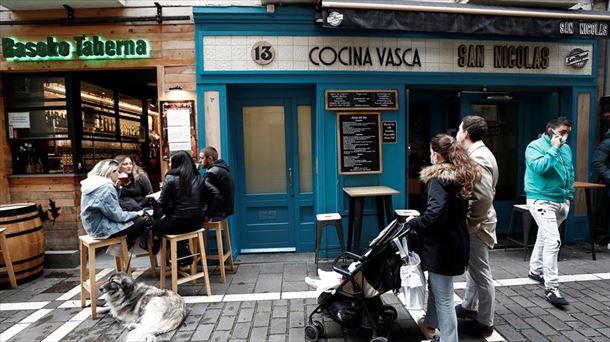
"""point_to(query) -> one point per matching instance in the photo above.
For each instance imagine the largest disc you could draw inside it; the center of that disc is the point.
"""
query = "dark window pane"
(26, 91)
(42, 156)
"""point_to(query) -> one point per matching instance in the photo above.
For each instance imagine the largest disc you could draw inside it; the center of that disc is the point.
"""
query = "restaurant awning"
(418, 16)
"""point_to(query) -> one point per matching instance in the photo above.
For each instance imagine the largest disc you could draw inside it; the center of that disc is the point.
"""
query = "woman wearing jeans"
(444, 239)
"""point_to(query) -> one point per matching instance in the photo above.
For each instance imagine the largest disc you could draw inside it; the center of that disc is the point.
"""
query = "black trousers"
(133, 231)
(179, 225)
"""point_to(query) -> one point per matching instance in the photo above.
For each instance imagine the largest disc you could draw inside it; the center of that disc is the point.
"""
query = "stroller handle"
(344, 254)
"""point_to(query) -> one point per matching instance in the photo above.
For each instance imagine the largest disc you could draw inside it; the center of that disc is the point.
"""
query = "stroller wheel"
(312, 333)
(320, 326)
(379, 339)
(390, 313)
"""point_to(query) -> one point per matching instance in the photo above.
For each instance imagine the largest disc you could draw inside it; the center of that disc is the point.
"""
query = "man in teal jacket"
(549, 186)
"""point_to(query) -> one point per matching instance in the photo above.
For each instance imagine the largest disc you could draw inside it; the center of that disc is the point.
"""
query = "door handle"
(290, 177)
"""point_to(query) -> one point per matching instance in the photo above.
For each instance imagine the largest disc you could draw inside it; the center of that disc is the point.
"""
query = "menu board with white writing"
(359, 143)
(361, 100)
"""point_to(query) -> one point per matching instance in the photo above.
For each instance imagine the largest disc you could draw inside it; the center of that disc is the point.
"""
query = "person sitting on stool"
(218, 174)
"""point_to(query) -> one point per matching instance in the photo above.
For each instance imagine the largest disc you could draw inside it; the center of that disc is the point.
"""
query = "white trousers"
(480, 292)
(548, 216)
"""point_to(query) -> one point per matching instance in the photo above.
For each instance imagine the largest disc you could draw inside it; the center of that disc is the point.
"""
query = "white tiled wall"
(232, 53)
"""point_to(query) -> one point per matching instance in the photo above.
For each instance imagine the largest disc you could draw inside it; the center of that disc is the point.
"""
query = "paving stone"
(220, 336)
(268, 283)
(225, 323)
(36, 332)
(519, 311)
(561, 315)
(589, 321)
(272, 268)
(182, 336)
(203, 332)
(574, 336)
(218, 305)
(241, 330)
(211, 316)
(231, 309)
(190, 323)
(554, 322)
(197, 309)
(605, 331)
(297, 320)
(258, 334)
(296, 335)
(261, 319)
(580, 306)
(280, 312)
(278, 326)
(251, 304)
(515, 321)
(277, 338)
(264, 306)
(533, 335)
(295, 286)
(245, 315)
(539, 325)
(296, 304)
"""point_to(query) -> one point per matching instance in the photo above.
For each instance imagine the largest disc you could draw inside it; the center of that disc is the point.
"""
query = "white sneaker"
(114, 250)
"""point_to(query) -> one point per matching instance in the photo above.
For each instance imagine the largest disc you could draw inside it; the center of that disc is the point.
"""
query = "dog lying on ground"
(146, 310)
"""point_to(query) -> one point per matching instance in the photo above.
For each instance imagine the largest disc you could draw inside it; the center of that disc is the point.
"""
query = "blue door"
(275, 178)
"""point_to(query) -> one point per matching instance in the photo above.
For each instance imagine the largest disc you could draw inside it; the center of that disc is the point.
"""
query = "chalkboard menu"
(359, 143)
(361, 100)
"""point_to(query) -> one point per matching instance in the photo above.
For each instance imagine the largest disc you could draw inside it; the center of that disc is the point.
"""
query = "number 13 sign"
(262, 53)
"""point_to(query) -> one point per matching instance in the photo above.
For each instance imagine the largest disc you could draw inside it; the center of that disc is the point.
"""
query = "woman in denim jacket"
(101, 213)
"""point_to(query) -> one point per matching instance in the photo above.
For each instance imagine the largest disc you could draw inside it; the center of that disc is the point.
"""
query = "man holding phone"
(549, 187)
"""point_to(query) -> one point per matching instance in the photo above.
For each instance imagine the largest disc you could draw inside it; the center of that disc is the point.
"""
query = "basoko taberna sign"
(80, 47)
(391, 54)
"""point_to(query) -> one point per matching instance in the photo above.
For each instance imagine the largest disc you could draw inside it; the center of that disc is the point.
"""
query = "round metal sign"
(262, 53)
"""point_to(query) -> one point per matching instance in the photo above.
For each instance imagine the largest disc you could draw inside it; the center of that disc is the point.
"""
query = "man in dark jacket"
(219, 175)
(601, 167)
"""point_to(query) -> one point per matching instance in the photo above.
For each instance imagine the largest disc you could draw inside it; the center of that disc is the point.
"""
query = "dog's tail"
(140, 334)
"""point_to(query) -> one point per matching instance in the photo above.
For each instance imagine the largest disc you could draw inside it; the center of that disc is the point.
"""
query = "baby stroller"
(356, 302)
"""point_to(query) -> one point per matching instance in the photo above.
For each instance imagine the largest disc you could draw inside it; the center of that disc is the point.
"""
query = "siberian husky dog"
(146, 310)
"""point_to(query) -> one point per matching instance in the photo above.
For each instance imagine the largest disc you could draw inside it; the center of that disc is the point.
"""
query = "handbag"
(413, 282)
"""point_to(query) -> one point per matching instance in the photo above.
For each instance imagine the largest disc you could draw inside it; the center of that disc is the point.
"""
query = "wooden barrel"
(25, 238)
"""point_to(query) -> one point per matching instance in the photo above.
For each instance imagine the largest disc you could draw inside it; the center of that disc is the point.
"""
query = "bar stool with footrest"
(88, 247)
(220, 228)
(149, 253)
(323, 220)
(198, 245)
(402, 214)
(8, 262)
(526, 219)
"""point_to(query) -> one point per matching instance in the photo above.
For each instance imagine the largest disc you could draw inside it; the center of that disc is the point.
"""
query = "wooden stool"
(198, 245)
(8, 262)
(218, 227)
(526, 219)
(88, 246)
(323, 220)
(402, 214)
(149, 253)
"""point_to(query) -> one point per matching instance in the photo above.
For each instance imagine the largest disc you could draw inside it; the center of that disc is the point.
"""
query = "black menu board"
(361, 100)
(359, 143)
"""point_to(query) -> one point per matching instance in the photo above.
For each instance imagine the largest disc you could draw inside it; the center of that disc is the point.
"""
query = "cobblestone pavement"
(266, 299)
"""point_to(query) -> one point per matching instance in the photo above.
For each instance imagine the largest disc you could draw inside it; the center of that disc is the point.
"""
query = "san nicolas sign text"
(81, 47)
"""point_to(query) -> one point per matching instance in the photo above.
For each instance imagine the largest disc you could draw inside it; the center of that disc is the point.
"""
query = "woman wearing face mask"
(134, 186)
(442, 229)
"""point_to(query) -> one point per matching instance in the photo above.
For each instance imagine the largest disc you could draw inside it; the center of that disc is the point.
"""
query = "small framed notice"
(361, 100)
(359, 143)
(389, 132)
(178, 127)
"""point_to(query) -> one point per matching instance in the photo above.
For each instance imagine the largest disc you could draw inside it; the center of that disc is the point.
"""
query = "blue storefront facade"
(262, 80)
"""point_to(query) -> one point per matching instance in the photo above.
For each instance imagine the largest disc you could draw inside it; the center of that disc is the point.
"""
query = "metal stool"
(88, 246)
(323, 220)
(196, 236)
(526, 219)
(218, 227)
(8, 262)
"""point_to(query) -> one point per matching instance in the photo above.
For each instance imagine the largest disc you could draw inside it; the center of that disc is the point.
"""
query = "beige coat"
(481, 214)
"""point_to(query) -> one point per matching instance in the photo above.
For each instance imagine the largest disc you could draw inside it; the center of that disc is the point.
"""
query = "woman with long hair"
(443, 235)
(101, 214)
(185, 199)
(132, 193)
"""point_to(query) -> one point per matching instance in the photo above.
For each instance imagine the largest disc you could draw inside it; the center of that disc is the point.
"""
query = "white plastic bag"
(413, 281)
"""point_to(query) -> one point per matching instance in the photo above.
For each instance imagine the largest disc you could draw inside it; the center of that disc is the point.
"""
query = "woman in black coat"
(444, 240)
(184, 200)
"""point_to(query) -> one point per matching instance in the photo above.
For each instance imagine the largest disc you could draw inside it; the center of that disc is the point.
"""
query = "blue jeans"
(440, 312)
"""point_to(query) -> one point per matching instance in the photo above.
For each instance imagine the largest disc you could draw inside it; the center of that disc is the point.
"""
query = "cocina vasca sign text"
(82, 47)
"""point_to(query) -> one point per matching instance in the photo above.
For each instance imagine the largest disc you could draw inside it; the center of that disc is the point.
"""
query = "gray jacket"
(481, 218)
(101, 213)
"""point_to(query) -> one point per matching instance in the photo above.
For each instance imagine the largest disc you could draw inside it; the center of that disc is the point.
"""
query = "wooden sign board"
(359, 143)
(361, 100)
